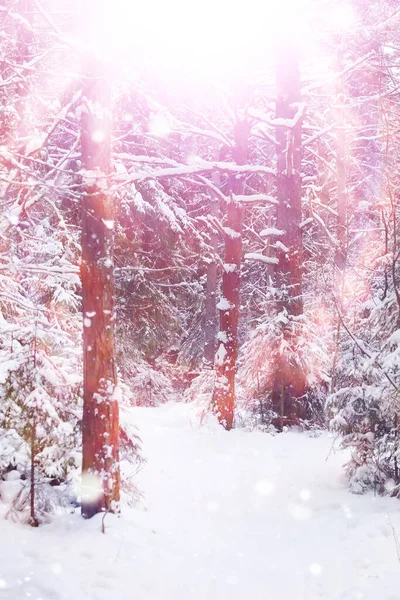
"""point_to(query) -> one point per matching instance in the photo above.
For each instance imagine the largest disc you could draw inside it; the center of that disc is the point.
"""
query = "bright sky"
(206, 37)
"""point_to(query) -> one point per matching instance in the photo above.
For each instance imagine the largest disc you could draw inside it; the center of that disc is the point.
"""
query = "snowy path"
(230, 516)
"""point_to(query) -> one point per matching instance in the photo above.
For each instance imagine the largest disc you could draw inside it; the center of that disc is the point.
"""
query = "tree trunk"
(341, 252)
(289, 381)
(210, 319)
(223, 400)
(33, 522)
(100, 425)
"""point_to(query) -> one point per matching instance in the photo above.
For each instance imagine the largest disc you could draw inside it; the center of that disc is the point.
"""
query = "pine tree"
(290, 386)
(223, 400)
(100, 425)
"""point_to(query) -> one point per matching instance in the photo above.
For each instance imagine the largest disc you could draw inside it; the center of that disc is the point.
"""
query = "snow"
(224, 304)
(222, 337)
(231, 232)
(13, 215)
(12, 476)
(256, 198)
(306, 222)
(280, 122)
(9, 490)
(270, 231)
(282, 247)
(395, 337)
(221, 354)
(34, 144)
(270, 260)
(204, 166)
(161, 124)
(95, 177)
(229, 267)
(228, 516)
(109, 223)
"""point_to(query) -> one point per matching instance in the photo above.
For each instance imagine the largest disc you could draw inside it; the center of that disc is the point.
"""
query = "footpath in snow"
(229, 516)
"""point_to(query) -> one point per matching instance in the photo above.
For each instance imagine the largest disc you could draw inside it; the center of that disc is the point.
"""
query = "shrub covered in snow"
(200, 392)
(40, 409)
(40, 429)
(148, 386)
(262, 354)
(364, 406)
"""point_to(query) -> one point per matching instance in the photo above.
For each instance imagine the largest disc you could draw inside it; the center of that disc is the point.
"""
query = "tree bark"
(100, 425)
(341, 252)
(223, 400)
(210, 318)
(33, 522)
(289, 380)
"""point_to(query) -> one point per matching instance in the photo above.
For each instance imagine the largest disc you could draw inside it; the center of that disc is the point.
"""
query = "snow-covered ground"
(235, 516)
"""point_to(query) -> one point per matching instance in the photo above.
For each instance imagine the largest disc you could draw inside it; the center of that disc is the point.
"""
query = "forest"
(200, 299)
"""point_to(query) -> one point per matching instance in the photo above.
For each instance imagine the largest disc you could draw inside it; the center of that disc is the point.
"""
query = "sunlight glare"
(98, 136)
(160, 125)
(91, 487)
(342, 16)
(315, 569)
(199, 38)
(264, 487)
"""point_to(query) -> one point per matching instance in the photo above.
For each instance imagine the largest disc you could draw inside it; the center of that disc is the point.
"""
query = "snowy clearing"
(228, 516)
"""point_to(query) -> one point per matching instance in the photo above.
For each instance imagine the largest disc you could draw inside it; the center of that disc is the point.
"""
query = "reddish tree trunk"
(100, 425)
(210, 318)
(290, 381)
(341, 252)
(223, 400)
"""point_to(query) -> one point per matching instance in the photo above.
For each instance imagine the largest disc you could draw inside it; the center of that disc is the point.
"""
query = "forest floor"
(226, 516)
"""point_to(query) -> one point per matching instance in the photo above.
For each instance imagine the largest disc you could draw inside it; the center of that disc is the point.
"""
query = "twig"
(103, 527)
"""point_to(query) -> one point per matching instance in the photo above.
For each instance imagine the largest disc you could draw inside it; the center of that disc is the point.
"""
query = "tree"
(363, 404)
(289, 387)
(100, 425)
(223, 400)
(210, 316)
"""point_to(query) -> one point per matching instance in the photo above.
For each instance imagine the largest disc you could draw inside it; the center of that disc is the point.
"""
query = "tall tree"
(290, 380)
(223, 399)
(210, 316)
(100, 426)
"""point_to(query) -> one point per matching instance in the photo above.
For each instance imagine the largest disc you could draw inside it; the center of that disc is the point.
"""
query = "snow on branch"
(212, 126)
(255, 198)
(14, 300)
(231, 232)
(46, 269)
(151, 160)
(280, 122)
(213, 188)
(269, 260)
(201, 166)
(271, 231)
(241, 198)
(317, 135)
(186, 128)
(322, 223)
